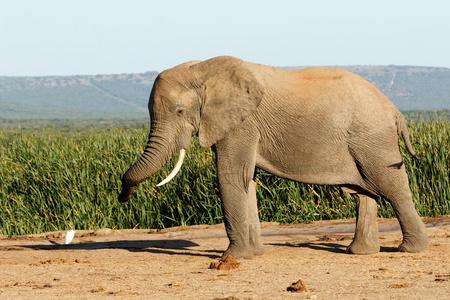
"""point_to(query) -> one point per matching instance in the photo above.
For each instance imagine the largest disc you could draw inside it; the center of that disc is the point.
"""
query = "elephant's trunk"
(156, 154)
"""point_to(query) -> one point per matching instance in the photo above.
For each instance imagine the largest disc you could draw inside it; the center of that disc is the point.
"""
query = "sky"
(47, 38)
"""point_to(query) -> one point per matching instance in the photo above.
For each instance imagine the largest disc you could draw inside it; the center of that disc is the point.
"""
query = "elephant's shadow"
(170, 247)
(329, 247)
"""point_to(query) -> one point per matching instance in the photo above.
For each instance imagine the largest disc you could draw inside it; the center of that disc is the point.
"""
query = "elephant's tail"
(403, 130)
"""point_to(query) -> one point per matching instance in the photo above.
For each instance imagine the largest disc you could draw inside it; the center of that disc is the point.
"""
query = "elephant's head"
(207, 98)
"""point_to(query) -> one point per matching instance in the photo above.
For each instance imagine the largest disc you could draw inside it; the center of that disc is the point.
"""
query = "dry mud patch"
(175, 264)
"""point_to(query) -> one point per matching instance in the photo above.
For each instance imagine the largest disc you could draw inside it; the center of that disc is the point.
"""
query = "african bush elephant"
(317, 125)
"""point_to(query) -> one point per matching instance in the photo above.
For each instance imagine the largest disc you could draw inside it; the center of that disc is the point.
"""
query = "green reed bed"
(58, 179)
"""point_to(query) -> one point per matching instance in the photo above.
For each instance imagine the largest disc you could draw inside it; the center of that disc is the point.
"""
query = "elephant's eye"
(180, 111)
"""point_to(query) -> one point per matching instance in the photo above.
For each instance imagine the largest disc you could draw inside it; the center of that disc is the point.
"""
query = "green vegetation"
(433, 115)
(57, 178)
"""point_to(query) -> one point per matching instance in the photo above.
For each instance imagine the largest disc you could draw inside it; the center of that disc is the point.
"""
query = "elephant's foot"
(363, 247)
(414, 244)
(244, 252)
(238, 252)
(258, 249)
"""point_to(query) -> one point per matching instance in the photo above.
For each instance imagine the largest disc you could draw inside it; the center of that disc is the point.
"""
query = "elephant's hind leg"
(383, 172)
(393, 185)
(415, 237)
(366, 234)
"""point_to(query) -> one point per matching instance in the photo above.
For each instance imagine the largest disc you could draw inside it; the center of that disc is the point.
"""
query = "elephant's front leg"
(241, 217)
(254, 225)
(237, 190)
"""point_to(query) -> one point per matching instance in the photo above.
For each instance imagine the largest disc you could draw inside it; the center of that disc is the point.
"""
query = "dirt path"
(174, 264)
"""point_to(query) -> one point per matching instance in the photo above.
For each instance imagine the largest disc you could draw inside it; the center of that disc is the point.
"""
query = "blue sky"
(39, 38)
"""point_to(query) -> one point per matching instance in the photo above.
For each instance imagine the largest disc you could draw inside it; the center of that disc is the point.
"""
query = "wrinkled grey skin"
(318, 126)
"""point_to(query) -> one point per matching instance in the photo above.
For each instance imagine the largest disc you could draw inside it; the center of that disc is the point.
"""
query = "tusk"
(175, 169)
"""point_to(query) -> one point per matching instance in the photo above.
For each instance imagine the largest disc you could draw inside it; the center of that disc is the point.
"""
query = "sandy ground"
(174, 264)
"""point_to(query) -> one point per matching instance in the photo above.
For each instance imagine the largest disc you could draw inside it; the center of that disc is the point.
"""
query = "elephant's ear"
(232, 91)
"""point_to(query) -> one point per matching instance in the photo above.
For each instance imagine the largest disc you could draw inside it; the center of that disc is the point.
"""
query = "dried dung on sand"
(225, 263)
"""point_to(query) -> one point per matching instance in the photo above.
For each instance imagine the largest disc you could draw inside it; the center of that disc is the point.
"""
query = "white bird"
(69, 236)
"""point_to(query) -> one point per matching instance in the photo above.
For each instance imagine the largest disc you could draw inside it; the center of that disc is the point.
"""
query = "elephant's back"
(328, 101)
(335, 86)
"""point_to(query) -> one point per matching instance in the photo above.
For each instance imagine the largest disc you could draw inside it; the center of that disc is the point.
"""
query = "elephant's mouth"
(175, 169)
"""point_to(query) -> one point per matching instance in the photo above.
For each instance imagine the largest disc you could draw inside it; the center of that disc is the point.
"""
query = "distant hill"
(126, 95)
(410, 88)
(66, 97)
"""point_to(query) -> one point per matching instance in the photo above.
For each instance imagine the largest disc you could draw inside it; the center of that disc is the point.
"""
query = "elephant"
(319, 125)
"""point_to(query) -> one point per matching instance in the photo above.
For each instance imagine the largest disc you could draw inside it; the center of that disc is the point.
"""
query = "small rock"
(102, 232)
(299, 286)
(442, 277)
(401, 285)
(98, 290)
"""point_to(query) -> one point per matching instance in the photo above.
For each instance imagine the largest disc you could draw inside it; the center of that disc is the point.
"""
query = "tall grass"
(57, 180)
(429, 176)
